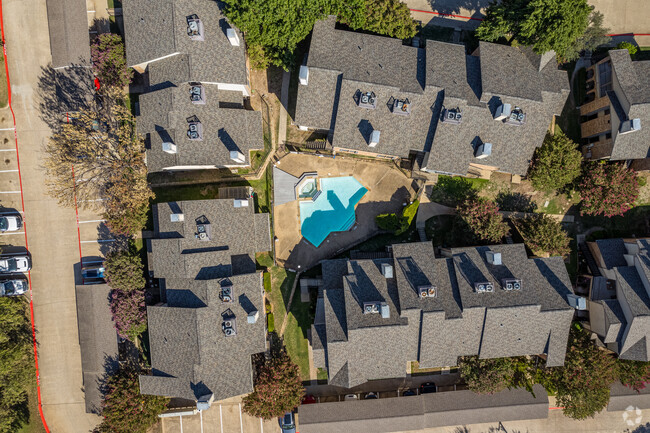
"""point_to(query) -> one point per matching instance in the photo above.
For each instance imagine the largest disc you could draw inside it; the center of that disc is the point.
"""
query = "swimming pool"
(333, 209)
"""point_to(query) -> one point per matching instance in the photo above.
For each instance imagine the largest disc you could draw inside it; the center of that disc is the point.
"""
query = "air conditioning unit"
(226, 294)
(370, 307)
(229, 332)
(484, 287)
(427, 292)
(511, 284)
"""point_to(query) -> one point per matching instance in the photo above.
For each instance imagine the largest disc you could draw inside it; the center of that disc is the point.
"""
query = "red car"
(308, 399)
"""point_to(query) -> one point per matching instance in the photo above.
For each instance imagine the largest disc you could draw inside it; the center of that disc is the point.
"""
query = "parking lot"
(10, 197)
(223, 417)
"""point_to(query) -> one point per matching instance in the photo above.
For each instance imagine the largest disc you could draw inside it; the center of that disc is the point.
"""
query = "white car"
(10, 223)
(13, 287)
(13, 264)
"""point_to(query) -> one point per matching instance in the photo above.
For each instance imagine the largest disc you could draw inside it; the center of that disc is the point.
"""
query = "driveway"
(51, 230)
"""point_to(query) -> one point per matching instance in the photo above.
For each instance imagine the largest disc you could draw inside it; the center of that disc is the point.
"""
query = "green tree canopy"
(608, 189)
(124, 271)
(633, 374)
(556, 163)
(543, 234)
(16, 363)
(487, 376)
(126, 410)
(542, 24)
(278, 388)
(398, 224)
(483, 221)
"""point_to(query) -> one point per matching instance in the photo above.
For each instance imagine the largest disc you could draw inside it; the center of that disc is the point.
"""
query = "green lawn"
(295, 334)
(35, 424)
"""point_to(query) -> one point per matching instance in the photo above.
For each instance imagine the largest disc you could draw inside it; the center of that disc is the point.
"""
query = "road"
(51, 230)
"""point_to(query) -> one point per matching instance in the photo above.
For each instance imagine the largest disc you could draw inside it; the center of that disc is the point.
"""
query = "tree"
(398, 224)
(124, 271)
(452, 191)
(543, 234)
(584, 380)
(631, 48)
(129, 313)
(100, 142)
(542, 24)
(278, 388)
(124, 409)
(487, 376)
(608, 189)
(633, 374)
(128, 197)
(389, 17)
(594, 36)
(109, 61)
(388, 221)
(556, 163)
(482, 220)
(16, 363)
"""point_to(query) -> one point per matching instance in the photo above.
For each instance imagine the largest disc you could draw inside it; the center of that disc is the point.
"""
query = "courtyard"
(388, 190)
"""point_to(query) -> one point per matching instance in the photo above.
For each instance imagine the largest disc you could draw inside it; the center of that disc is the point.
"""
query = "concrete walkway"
(284, 103)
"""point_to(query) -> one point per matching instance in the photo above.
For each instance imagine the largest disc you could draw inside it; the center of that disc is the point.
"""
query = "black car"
(408, 392)
(427, 388)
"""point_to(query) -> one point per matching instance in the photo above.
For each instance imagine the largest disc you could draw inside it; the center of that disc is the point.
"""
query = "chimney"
(503, 112)
(384, 310)
(176, 217)
(577, 302)
(169, 147)
(386, 270)
(303, 75)
(493, 258)
(237, 156)
(252, 316)
(483, 150)
(374, 138)
(233, 37)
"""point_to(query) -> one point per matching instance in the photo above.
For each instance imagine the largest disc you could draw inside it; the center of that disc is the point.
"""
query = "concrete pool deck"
(388, 188)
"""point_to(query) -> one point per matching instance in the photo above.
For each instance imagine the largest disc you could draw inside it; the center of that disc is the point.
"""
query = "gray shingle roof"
(159, 29)
(237, 234)
(190, 356)
(164, 116)
(69, 37)
(97, 340)
(457, 322)
(621, 397)
(443, 409)
(316, 102)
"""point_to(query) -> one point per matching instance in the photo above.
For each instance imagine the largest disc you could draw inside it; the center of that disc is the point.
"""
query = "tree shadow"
(455, 6)
(515, 202)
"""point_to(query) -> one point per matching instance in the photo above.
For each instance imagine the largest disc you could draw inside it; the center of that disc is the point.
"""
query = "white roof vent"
(493, 258)
(168, 147)
(385, 311)
(237, 156)
(386, 270)
(252, 316)
(577, 302)
(240, 203)
(503, 112)
(483, 150)
(374, 138)
(303, 75)
(628, 126)
(204, 402)
(427, 292)
(233, 37)
(176, 217)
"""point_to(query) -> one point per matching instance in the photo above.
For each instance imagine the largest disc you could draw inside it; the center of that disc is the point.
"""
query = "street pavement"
(51, 229)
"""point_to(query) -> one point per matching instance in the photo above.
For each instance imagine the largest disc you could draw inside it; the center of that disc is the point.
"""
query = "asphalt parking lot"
(10, 196)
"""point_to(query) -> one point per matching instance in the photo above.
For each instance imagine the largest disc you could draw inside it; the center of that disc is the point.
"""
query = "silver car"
(13, 287)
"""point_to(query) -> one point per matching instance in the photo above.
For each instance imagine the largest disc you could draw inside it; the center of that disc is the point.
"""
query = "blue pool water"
(333, 209)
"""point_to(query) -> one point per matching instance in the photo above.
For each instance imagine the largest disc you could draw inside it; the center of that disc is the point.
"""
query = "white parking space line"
(92, 221)
(9, 192)
(98, 240)
(241, 421)
(12, 233)
(97, 199)
(7, 150)
(8, 171)
(7, 129)
(221, 418)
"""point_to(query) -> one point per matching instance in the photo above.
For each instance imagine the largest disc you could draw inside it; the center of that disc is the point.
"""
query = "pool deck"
(388, 190)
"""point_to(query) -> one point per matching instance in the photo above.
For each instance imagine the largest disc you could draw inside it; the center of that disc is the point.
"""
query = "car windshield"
(4, 223)
(8, 265)
(287, 420)
(8, 288)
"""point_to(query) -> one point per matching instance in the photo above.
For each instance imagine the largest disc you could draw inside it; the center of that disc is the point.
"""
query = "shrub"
(109, 61)
(483, 221)
(124, 271)
(556, 163)
(486, 376)
(388, 221)
(124, 409)
(270, 322)
(631, 48)
(129, 313)
(633, 374)
(278, 388)
(451, 191)
(398, 224)
(543, 233)
(608, 189)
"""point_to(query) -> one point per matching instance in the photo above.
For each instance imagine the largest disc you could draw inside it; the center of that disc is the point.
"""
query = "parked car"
(408, 392)
(11, 264)
(287, 423)
(350, 397)
(93, 274)
(427, 388)
(308, 399)
(371, 395)
(14, 287)
(10, 223)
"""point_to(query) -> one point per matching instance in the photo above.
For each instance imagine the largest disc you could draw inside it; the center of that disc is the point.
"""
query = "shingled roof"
(344, 64)
(165, 115)
(237, 233)
(632, 101)
(157, 30)
(458, 321)
(69, 37)
(624, 323)
(190, 356)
